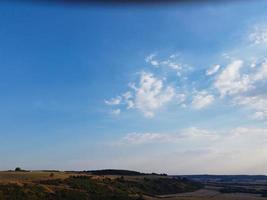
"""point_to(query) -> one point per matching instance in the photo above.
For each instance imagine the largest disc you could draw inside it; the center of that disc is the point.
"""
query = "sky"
(179, 88)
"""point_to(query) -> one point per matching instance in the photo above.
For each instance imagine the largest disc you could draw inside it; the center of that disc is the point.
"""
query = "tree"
(18, 169)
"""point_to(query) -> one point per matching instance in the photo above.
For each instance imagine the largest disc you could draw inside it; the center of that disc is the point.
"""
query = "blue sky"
(176, 88)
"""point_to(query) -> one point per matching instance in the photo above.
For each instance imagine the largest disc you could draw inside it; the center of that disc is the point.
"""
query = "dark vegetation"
(18, 169)
(84, 187)
(228, 189)
(229, 178)
(252, 184)
(115, 172)
(121, 172)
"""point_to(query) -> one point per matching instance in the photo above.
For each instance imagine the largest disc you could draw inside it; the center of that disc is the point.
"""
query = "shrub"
(18, 169)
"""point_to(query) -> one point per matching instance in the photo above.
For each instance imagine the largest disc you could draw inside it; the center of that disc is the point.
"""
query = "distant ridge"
(226, 178)
(120, 172)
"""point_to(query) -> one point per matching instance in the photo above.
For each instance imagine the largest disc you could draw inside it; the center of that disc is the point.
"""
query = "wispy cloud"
(113, 101)
(257, 103)
(245, 87)
(213, 70)
(202, 99)
(171, 62)
(142, 138)
(195, 150)
(230, 81)
(187, 134)
(258, 35)
(116, 112)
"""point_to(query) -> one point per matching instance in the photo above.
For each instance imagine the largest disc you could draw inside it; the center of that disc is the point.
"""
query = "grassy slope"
(40, 185)
(30, 176)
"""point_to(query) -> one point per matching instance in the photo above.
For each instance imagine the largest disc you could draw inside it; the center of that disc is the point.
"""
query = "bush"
(18, 169)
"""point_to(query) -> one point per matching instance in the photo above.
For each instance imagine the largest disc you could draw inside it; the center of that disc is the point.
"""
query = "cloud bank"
(195, 150)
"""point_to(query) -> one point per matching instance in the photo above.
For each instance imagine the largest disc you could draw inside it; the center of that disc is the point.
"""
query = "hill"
(82, 186)
(121, 172)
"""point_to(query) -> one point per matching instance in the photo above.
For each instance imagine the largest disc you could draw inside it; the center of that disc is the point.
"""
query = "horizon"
(176, 88)
(141, 172)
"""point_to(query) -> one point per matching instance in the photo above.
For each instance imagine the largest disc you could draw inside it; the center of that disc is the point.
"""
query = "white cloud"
(170, 62)
(113, 101)
(154, 63)
(151, 94)
(242, 81)
(147, 95)
(213, 70)
(142, 138)
(127, 95)
(194, 133)
(245, 88)
(174, 56)
(261, 115)
(130, 104)
(230, 81)
(180, 97)
(194, 150)
(259, 35)
(202, 99)
(257, 103)
(128, 99)
(151, 59)
(175, 66)
(116, 112)
(187, 134)
(235, 83)
(261, 74)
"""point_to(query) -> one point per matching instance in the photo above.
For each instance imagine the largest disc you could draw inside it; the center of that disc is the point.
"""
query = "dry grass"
(6, 177)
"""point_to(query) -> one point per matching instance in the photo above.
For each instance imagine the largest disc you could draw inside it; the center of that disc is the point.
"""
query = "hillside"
(77, 186)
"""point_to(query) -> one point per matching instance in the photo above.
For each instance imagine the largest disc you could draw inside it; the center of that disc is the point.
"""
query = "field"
(232, 187)
(205, 194)
(11, 176)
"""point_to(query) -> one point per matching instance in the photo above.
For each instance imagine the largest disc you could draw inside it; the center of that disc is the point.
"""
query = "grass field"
(12, 176)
